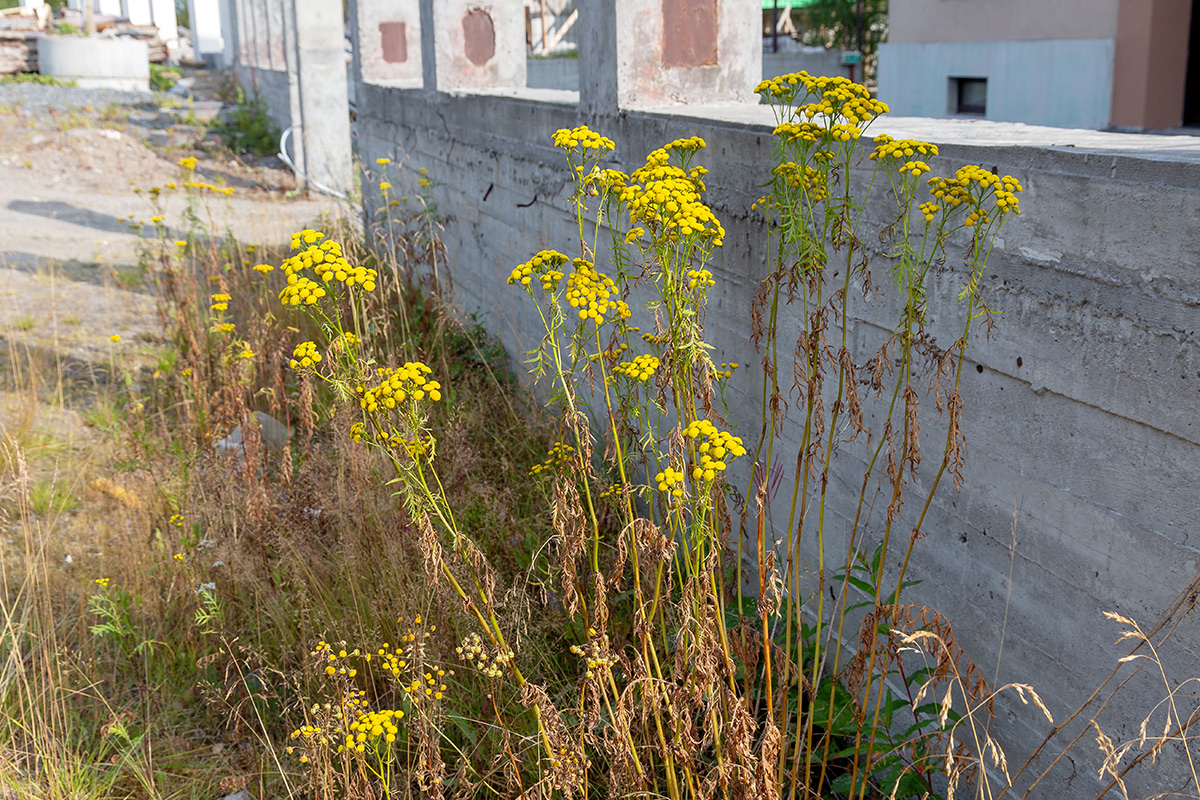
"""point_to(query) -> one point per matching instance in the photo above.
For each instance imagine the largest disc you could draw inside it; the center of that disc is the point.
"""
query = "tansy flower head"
(116, 337)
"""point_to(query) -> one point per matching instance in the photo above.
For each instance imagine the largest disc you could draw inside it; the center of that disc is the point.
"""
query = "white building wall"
(1062, 83)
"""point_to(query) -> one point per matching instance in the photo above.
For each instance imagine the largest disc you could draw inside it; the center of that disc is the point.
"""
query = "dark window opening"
(969, 95)
(1191, 95)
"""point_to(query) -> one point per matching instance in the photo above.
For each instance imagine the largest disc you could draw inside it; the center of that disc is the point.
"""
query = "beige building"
(1071, 63)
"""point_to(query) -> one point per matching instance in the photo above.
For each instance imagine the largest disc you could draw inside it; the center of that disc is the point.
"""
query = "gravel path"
(35, 97)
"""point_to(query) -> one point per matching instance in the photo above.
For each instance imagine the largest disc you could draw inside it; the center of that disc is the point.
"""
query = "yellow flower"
(305, 356)
(383, 161)
(188, 162)
(642, 368)
(263, 268)
(103, 582)
(177, 520)
(116, 337)
(226, 327)
(384, 185)
(247, 353)
(179, 557)
(186, 372)
(181, 243)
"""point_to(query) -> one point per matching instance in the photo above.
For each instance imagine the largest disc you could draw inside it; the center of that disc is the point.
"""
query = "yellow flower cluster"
(392, 660)
(226, 327)
(543, 265)
(846, 105)
(634, 235)
(700, 279)
(971, 186)
(667, 198)
(374, 725)
(307, 733)
(915, 168)
(801, 131)
(584, 138)
(691, 144)
(188, 162)
(325, 651)
(219, 302)
(642, 368)
(305, 355)
(887, 147)
(326, 261)
(726, 370)
(430, 689)
(716, 447)
(593, 293)
(301, 290)
(177, 520)
(810, 179)
(559, 454)
(400, 384)
(929, 210)
(671, 482)
(102, 582)
(263, 268)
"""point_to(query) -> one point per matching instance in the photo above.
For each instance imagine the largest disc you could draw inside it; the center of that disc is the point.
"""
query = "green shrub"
(249, 128)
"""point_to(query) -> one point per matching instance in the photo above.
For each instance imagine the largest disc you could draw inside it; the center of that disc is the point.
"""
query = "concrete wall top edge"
(1147, 158)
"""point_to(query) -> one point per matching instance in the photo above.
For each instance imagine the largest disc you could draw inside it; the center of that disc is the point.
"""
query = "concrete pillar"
(668, 52)
(472, 46)
(208, 35)
(228, 32)
(389, 42)
(324, 108)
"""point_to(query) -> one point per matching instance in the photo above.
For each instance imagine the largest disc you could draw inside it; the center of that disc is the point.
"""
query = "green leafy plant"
(249, 128)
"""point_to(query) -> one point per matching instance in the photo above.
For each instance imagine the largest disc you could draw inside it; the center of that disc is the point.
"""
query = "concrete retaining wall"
(1081, 409)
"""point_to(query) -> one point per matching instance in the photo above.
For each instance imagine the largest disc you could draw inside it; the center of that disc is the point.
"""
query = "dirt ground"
(74, 184)
(74, 187)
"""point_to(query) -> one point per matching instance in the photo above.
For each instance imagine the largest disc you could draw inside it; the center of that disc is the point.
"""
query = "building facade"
(1068, 63)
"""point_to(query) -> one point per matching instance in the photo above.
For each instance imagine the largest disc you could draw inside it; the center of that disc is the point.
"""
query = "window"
(968, 96)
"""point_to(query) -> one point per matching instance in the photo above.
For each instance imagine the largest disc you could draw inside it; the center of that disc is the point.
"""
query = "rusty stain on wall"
(689, 33)
(393, 38)
(479, 36)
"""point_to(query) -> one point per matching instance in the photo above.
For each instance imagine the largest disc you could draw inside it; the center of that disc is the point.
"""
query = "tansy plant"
(711, 659)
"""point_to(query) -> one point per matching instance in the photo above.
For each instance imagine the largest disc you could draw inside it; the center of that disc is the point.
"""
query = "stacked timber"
(18, 51)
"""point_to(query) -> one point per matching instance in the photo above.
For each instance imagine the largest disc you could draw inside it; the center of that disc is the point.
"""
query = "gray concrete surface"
(1081, 408)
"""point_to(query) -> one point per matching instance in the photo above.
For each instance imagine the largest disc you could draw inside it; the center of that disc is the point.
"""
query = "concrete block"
(389, 42)
(97, 63)
(474, 46)
(654, 52)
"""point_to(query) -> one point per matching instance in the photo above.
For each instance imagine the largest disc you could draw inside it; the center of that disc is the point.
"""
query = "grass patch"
(32, 78)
